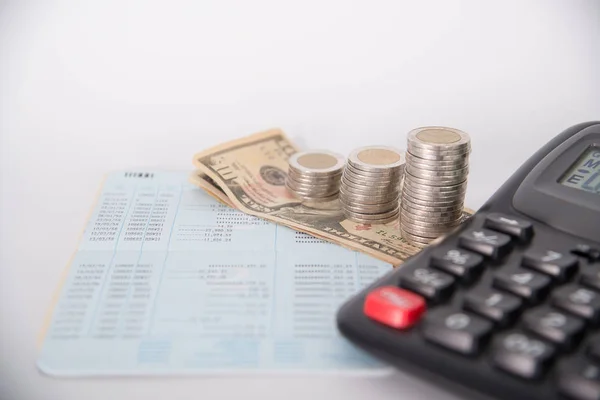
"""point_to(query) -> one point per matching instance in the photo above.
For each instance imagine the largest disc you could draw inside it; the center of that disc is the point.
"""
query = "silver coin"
(432, 177)
(380, 221)
(431, 215)
(428, 174)
(432, 224)
(416, 162)
(365, 191)
(377, 215)
(314, 179)
(424, 209)
(408, 203)
(451, 158)
(416, 240)
(424, 225)
(426, 232)
(317, 162)
(375, 222)
(300, 185)
(432, 184)
(371, 200)
(391, 174)
(304, 193)
(433, 197)
(376, 158)
(439, 138)
(307, 185)
(359, 194)
(375, 173)
(361, 179)
(374, 218)
(429, 188)
(444, 158)
(315, 198)
(438, 182)
(409, 217)
(365, 207)
(431, 202)
(415, 150)
(318, 182)
(370, 182)
(424, 216)
(368, 185)
(370, 208)
(436, 168)
(422, 235)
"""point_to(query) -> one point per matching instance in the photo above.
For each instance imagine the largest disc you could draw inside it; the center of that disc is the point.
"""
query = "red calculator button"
(394, 307)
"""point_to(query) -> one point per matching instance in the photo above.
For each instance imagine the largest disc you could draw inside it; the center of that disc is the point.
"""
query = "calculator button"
(517, 227)
(501, 308)
(394, 307)
(429, 283)
(555, 326)
(594, 349)
(558, 265)
(461, 263)
(578, 300)
(522, 355)
(530, 285)
(486, 242)
(456, 330)
(586, 251)
(579, 380)
(590, 277)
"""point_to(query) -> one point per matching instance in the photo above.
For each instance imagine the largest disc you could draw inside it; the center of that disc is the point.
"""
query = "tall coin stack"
(370, 187)
(435, 182)
(315, 175)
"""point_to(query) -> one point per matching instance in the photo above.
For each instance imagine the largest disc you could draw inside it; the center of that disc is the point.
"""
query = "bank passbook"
(166, 280)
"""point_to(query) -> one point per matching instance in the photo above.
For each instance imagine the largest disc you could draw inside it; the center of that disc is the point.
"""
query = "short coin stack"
(315, 175)
(370, 187)
(435, 182)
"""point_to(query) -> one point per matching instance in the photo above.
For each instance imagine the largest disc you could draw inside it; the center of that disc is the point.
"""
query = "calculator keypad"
(580, 379)
(502, 308)
(486, 242)
(456, 330)
(394, 307)
(529, 285)
(579, 301)
(434, 285)
(516, 227)
(522, 354)
(558, 265)
(591, 277)
(526, 313)
(587, 251)
(555, 326)
(460, 263)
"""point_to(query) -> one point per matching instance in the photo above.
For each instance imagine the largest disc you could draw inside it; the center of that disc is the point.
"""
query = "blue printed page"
(166, 280)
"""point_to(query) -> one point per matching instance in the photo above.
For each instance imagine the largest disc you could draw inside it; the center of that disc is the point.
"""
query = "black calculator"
(507, 306)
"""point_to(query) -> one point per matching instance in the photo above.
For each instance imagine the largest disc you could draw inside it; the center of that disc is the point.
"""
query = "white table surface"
(87, 88)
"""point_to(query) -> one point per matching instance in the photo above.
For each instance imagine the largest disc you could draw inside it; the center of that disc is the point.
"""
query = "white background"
(87, 88)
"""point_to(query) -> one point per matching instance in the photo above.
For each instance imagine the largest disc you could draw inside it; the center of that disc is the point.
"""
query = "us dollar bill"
(249, 174)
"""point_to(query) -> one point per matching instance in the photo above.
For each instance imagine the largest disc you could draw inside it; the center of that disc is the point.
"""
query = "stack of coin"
(435, 182)
(315, 175)
(370, 188)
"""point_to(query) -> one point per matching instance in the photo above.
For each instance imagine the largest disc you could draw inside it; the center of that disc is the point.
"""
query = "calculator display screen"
(584, 174)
